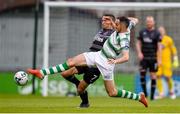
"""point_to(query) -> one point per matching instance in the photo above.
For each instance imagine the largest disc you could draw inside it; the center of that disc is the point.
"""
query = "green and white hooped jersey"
(116, 43)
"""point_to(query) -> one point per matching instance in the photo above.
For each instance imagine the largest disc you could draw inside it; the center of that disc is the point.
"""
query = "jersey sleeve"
(164, 43)
(172, 46)
(140, 35)
(131, 24)
(125, 44)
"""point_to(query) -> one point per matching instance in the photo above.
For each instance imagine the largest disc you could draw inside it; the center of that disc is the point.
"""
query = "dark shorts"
(90, 74)
(149, 64)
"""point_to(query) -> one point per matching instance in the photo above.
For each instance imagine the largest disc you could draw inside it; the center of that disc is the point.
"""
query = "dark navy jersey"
(100, 38)
(149, 41)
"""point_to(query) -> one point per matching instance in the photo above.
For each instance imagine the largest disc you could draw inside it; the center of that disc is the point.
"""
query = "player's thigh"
(159, 73)
(69, 72)
(106, 69)
(153, 75)
(78, 60)
(153, 66)
(143, 65)
(90, 58)
(110, 87)
(81, 69)
(167, 72)
(91, 75)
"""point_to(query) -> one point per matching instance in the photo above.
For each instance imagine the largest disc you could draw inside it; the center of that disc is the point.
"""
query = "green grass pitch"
(38, 104)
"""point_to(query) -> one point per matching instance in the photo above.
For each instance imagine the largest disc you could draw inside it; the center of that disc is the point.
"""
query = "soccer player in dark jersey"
(90, 74)
(148, 44)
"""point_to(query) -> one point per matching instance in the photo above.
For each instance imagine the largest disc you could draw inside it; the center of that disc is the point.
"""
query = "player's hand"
(140, 56)
(111, 61)
(134, 20)
(159, 63)
(112, 23)
(175, 62)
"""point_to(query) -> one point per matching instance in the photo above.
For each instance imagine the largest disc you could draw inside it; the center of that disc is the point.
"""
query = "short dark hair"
(110, 15)
(124, 20)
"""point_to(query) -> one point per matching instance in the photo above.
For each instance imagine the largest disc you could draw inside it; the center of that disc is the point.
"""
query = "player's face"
(118, 25)
(150, 23)
(162, 31)
(106, 22)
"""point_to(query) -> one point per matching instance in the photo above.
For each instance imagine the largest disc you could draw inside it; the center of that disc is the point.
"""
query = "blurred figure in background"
(168, 52)
(148, 44)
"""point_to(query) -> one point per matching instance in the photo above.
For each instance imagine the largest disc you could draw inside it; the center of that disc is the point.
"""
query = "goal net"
(69, 27)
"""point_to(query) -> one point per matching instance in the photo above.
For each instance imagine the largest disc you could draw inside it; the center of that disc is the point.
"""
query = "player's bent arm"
(138, 46)
(175, 57)
(134, 20)
(159, 53)
(173, 48)
(124, 58)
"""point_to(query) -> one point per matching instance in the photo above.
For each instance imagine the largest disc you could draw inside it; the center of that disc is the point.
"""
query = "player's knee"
(80, 90)
(153, 77)
(63, 74)
(71, 62)
(158, 77)
(168, 78)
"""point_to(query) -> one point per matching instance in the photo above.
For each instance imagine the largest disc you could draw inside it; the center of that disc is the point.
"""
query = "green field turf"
(18, 103)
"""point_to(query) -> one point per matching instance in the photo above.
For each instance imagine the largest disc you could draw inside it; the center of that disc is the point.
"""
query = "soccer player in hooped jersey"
(90, 74)
(104, 60)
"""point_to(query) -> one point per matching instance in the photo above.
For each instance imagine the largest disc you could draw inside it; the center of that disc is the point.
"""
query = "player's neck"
(106, 29)
(150, 29)
(123, 30)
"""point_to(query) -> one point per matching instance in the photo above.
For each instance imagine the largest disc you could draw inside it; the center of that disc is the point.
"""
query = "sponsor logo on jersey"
(147, 40)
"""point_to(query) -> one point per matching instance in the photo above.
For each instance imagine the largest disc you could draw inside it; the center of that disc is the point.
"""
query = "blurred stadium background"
(71, 32)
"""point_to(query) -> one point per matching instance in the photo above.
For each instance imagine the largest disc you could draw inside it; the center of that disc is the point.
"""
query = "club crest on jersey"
(144, 33)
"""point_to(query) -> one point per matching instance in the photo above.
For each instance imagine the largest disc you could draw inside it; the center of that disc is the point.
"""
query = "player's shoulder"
(156, 31)
(107, 32)
(143, 30)
(168, 38)
(111, 31)
(114, 33)
(157, 34)
(125, 35)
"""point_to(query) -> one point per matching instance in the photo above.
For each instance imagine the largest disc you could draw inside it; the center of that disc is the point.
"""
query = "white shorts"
(98, 60)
